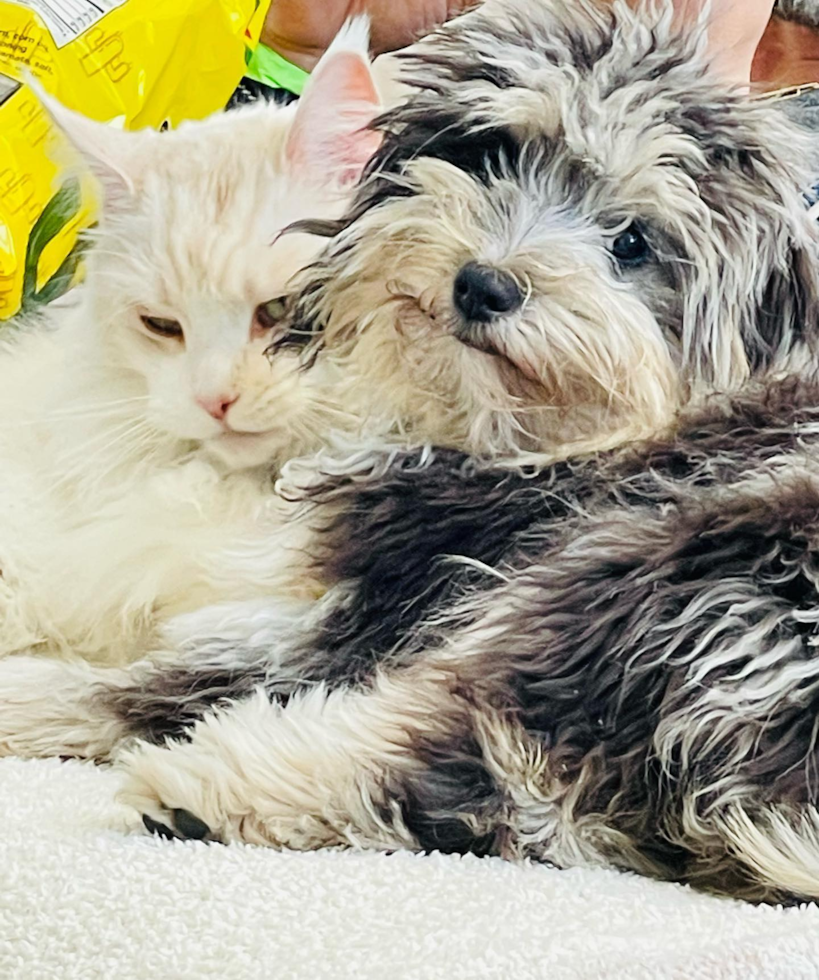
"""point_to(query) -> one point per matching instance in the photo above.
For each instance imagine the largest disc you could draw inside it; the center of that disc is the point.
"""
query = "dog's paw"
(167, 786)
(247, 773)
(183, 826)
(184, 794)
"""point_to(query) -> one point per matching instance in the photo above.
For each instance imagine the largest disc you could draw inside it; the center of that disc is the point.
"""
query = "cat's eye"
(162, 327)
(630, 247)
(271, 313)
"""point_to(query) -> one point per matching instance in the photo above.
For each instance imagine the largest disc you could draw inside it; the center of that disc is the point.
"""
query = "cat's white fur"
(123, 498)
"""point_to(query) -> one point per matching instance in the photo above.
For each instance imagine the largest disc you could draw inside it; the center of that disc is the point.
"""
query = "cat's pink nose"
(217, 405)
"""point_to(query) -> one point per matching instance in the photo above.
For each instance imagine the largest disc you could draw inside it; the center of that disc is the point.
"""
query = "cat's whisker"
(116, 401)
(84, 460)
(77, 414)
(99, 435)
(99, 412)
(122, 453)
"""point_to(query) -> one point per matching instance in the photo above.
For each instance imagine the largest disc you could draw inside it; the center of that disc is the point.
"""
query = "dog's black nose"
(482, 293)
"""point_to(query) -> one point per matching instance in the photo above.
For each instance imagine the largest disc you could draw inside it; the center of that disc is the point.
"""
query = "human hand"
(735, 28)
(747, 43)
(300, 30)
(788, 54)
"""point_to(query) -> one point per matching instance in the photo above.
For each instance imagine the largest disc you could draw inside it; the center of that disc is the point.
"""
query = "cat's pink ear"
(108, 152)
(329, 134)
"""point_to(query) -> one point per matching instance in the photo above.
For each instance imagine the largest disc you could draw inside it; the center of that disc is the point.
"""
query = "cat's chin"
(243, 450)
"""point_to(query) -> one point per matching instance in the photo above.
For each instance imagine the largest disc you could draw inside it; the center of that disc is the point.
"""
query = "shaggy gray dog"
(619, 669)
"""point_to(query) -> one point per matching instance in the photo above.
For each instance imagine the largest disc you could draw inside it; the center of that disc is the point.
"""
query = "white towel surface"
(81, 899)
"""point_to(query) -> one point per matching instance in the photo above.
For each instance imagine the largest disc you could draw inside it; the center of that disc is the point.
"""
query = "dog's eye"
(271, 313)
(162, 327)
(630, 247)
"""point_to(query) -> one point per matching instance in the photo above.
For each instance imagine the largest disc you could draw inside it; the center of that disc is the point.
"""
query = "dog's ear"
(330, 131)
(752, 293)
(752, 299)
(776, 161)
(786, 313)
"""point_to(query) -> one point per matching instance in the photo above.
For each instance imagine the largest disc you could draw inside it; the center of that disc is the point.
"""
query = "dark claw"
(155, 827)
(189, 826)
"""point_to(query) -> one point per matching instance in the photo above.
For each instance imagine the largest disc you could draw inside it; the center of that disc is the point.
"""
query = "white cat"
(139, 425)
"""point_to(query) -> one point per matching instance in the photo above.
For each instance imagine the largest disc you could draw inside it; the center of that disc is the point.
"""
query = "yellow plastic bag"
(133, 63)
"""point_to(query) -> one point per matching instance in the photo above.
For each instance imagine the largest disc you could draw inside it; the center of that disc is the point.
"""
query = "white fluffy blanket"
(80, 899)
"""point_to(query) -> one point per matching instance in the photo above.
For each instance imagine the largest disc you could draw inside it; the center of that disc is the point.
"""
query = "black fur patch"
(454, 806)
(399, 544)
(441, 131)
(167, 702)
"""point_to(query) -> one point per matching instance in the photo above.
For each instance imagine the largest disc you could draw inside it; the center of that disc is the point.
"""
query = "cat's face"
(188, 272)
(194, 301)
